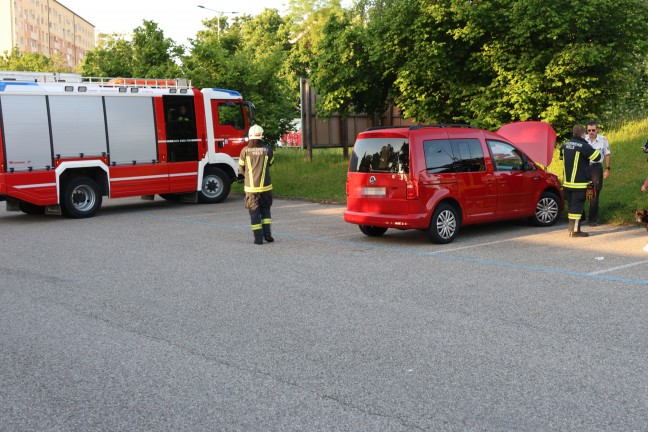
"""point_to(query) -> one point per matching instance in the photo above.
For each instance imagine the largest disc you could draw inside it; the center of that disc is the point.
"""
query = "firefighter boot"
(258, 236)
(266, 233)
(574, 229)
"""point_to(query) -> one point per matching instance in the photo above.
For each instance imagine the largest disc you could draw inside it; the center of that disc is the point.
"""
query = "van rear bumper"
(409, 221)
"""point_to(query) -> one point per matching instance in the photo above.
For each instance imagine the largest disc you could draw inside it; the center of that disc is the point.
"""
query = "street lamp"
(220, 13)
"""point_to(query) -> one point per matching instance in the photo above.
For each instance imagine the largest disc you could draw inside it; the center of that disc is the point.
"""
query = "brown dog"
(641, 216)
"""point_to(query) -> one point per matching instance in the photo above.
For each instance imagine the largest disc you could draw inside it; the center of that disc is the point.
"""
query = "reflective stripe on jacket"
(576, 154)
(254, 164)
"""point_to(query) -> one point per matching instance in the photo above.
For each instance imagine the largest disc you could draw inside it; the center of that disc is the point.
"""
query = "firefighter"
(254, 170)
(576, 154)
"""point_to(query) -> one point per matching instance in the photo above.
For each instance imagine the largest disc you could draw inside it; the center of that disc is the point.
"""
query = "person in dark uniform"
(597, 171)
(576, 154)
(254, 170)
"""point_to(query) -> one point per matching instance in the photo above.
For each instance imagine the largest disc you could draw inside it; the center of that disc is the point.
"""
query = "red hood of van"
(536, 139)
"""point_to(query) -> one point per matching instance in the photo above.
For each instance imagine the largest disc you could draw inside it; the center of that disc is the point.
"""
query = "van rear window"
(452, 156)
(380, 155)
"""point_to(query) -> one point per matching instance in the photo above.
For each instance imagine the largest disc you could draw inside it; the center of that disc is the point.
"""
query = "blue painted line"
(413, 252)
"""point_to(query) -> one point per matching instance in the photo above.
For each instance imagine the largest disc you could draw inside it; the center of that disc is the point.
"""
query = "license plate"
(373, 191)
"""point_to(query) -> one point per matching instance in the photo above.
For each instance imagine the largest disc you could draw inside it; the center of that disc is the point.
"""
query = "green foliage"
(306, 21)
(347, 77)
(153, 54)
(32, 62)
(148, 55)
(489, 62)
(112, 57)
(248, 57)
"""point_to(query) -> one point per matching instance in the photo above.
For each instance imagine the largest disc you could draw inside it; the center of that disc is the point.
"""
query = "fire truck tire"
(31, 209)
(215, 186)
(81, 198)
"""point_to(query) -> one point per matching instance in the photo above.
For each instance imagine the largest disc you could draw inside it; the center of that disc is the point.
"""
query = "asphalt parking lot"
(165, 317)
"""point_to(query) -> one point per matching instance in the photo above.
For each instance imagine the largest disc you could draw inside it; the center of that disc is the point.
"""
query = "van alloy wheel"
(444, 224)
(547, 210)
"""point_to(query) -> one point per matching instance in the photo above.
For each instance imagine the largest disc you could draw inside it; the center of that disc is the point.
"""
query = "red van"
(439, 177)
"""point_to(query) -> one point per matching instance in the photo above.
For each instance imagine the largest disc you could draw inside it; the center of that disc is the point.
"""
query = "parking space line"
(620, 267)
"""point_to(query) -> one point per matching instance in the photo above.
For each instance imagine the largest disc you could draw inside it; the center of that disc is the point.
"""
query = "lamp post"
(218, 17)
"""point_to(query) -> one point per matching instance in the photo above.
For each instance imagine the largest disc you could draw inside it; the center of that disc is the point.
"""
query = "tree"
(112, 57)
(492, 62)
(32, 62)
(306, 21)
(154, 56)
(248, 57)
(348, 77)
(148, 55)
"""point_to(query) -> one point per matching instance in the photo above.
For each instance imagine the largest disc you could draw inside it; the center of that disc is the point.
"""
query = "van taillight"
(347, 187)
(412, 189)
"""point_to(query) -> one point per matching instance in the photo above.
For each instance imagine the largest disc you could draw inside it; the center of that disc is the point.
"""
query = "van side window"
(380, 155)
(505, 156)
(470, 154)
(453, 156)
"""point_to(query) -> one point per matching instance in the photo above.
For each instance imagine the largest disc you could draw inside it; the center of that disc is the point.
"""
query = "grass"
(323, 179)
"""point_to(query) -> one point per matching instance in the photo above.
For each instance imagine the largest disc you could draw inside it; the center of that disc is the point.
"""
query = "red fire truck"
(67, 141)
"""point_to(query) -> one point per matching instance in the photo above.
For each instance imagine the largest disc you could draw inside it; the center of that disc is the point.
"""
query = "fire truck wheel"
(81, 198)
(215, 186)
(31, 209)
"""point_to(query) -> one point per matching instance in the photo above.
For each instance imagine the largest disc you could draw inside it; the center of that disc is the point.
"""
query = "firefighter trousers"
(576, 200)
(258, 205)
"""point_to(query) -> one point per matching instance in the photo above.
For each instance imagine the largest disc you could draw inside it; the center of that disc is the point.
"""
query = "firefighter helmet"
(256, 132)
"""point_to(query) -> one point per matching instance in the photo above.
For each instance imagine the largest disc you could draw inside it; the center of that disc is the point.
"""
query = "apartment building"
(46, 27)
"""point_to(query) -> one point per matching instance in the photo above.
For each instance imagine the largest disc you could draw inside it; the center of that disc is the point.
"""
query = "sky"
(178, 19)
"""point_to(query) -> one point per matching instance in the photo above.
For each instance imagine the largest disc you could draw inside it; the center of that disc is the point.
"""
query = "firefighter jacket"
(254, 164)
(577, 154)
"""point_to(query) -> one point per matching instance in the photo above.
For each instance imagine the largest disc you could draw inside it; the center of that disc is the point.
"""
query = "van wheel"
(31, 209)
(372, 231)
(444, 224)
(215, 186)
(81, 198)
(547, 210)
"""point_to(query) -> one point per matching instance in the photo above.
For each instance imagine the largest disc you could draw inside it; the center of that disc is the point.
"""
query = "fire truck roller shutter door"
(73, 120)
(131, 129)
(26, 132)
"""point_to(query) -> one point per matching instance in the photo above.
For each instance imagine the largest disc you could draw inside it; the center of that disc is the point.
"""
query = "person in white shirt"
(599, 169)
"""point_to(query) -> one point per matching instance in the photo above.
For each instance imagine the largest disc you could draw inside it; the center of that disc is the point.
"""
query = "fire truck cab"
(67, 141)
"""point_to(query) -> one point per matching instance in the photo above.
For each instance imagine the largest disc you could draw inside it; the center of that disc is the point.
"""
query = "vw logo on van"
(372, 179)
